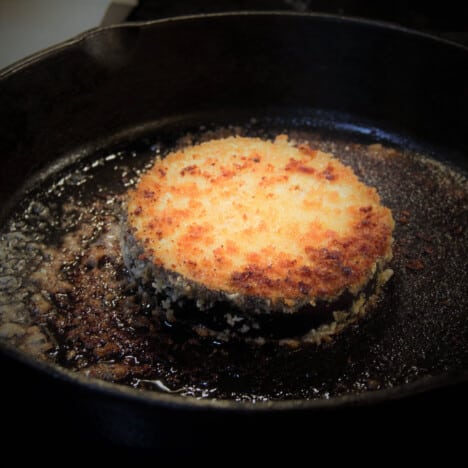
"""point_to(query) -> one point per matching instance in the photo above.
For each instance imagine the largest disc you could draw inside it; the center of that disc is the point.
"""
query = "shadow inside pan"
(66, 297)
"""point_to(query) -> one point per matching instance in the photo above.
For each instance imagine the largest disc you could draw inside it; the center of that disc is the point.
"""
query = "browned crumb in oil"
(415, 264)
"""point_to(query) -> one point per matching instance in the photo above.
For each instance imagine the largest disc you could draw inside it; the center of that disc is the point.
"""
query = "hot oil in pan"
(65, 295)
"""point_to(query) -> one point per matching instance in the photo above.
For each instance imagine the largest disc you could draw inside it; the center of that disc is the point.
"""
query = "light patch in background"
(28, 26)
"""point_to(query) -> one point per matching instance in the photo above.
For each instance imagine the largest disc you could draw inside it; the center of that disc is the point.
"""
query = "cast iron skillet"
(111, 84)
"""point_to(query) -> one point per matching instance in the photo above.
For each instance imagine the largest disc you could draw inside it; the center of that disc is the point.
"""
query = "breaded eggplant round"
(254, 233)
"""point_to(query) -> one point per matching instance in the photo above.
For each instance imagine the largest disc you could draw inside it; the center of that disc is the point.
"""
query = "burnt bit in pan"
(65, 295)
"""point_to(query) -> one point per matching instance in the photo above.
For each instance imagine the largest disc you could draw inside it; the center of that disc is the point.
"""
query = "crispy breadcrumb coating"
(254, 218)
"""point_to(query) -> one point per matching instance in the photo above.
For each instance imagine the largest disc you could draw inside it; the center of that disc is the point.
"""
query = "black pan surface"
(327, 79)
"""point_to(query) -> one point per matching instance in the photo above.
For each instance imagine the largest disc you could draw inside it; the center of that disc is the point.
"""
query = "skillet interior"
(250, 68)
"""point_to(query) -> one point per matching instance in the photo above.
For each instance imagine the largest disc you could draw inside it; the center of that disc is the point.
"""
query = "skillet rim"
(171, 401)
(35, 57)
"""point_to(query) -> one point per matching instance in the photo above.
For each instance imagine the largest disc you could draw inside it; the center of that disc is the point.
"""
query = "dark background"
(432, 424)
(448, 19)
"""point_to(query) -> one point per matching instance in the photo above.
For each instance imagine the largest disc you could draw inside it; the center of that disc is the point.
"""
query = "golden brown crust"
(261, 218)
